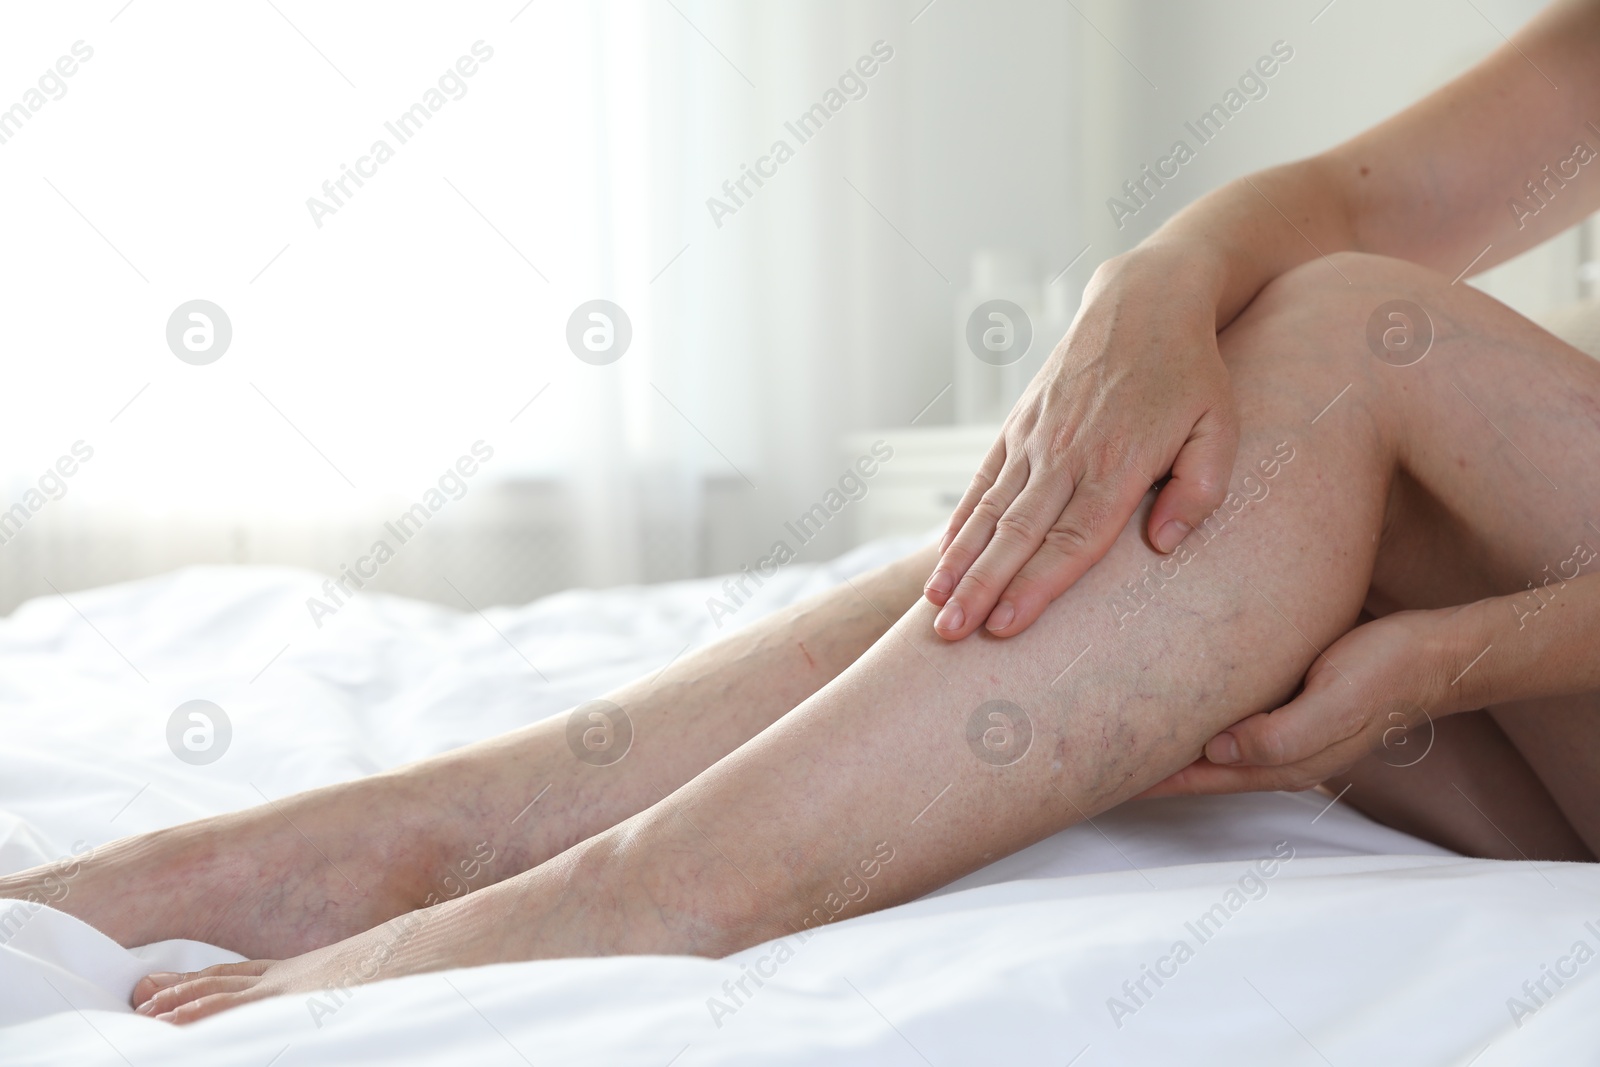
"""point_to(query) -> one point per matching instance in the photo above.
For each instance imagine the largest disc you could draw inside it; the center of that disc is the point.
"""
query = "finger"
(1076, 541)
(1173, 785)
(994, 462)
(1308, 724)
(1203, 778)
(1199, 478)
(173, 997)
(1017, 536)
(973, 541)
(951, 566)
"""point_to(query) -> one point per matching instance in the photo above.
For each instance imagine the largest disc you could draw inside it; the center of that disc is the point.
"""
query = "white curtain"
(374, 345)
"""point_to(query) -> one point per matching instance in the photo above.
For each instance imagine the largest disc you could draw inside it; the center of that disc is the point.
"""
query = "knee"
(1336, 295)
(1351, 273)
(1343, 313)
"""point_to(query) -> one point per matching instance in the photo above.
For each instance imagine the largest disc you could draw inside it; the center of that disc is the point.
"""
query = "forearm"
(1541, 643)
(1490, 165)
(1234, 240)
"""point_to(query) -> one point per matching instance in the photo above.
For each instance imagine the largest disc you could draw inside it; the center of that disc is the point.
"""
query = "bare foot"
(473, 930)
(275, 880)
(589, 901)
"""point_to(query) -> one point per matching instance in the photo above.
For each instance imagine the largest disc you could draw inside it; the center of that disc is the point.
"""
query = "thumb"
(1305, 726)
(1199, 478)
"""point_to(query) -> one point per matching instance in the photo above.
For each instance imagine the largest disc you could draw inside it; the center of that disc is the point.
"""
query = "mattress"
(1270, 928)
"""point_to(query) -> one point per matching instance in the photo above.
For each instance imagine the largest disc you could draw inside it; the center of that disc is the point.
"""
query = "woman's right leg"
(308, 870)
(1460, 782)
(1499, 479)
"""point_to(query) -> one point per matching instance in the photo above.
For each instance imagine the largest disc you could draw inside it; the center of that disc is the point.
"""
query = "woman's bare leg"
(1560, 739)
(1461, 783)
(307, 870)
(1494, 499)
(894, 778)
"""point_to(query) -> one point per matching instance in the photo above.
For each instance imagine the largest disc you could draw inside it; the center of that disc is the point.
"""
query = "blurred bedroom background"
(777, 333)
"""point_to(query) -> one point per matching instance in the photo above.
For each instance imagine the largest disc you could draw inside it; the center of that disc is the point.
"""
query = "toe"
(175, 997)
(159, 992)
(151, 984)
(193, 1010)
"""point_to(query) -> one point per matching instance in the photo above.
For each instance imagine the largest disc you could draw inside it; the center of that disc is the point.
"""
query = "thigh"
(1493, 434)
(1493, 431)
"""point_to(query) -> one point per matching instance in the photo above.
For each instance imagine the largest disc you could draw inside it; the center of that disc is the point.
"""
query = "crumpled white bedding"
(1364, 946)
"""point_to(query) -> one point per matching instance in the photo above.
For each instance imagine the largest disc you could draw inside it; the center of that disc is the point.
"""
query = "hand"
(1136, 388)
(1376, 689)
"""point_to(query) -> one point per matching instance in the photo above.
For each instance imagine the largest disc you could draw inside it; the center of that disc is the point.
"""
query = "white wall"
(1357, 63)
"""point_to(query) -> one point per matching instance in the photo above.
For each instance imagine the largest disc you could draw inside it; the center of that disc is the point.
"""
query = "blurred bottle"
(1007, 322)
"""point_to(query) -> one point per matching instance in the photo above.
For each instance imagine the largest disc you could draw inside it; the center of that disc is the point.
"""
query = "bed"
(1314, 935)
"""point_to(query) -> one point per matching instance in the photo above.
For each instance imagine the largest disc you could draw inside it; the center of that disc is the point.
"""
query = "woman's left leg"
(308, 870)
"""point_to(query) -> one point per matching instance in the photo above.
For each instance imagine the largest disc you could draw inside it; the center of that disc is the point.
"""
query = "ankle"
(425, 842)
(676, 893)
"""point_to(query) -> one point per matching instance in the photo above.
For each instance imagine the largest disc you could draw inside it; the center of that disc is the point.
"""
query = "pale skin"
(768, 768)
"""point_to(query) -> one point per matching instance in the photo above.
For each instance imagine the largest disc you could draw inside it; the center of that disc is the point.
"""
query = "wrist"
(1191, 264)
(1469, 674)
(1174, 272)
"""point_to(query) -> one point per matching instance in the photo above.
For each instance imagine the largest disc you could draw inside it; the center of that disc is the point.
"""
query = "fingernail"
(1169, 535)
(941, 583)
(162, 979)
(949, 618)
(1224, 748)
(1001, 617)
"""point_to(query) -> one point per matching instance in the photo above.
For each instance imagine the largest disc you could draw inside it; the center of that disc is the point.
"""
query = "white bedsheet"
(1368, 947)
